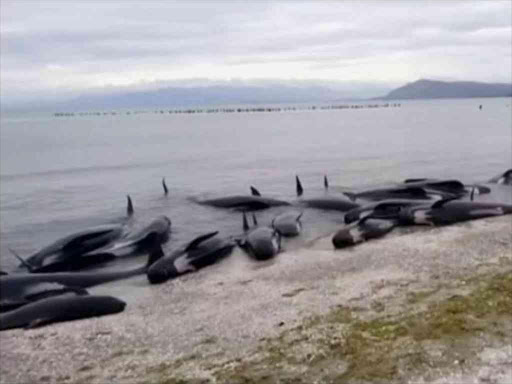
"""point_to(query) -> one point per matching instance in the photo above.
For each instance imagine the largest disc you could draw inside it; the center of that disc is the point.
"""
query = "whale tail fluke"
(298, 185)
(326, 182)
(129, 206)
(23, 262)
(254, 191)
(166, 190)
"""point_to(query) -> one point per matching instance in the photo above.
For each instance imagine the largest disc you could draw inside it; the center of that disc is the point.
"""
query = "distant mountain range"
(430, 89)
(170, 97)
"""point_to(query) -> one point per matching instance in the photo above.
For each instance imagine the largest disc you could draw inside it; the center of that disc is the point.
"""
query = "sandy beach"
(282, 321)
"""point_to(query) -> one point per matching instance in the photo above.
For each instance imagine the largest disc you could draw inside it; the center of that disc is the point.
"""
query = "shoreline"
(220, 326)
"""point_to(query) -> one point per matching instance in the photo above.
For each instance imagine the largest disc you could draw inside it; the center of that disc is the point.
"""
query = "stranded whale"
(202, 251)
(63, 308)
(451, 211)
(288, 224)
(18, 289)
(362, 230)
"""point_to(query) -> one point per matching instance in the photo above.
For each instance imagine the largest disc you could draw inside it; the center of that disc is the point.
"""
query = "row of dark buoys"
(231, 110)
(53, 285)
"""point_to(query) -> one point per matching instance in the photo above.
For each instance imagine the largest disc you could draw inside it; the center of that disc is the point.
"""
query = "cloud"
(56, 47)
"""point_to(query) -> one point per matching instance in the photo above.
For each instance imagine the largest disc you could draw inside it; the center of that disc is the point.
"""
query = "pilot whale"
(75, 244)
(288, 224)
(62, 308)
(17, 289)
(449, 211)
(203, 251)
(384, 209)
(157, 230)
(365, 229)
(327, 202)
(245, 203)
(505, 178)
(260, 243)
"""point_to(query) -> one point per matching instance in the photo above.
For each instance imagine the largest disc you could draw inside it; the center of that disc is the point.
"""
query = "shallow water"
(59, 174)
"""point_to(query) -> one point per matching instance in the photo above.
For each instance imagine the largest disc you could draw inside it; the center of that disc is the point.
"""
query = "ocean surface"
(59, 175)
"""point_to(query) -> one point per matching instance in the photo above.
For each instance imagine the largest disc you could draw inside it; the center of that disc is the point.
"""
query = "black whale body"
(451, 211)
(76, 244)
(330, 203)
(384, 209)
(327, 202)
(261, 243)
(407, 192)
(157, 230)
(77, 263)
(18, 289)
(362, 230)
(245, 203)
(203, 251)
(63, 308)
(504, 178)
(288, 224)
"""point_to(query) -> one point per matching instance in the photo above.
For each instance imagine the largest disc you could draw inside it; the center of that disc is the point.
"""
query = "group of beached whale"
(52, 284)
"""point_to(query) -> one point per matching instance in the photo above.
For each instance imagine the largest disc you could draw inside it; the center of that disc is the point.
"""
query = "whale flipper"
(39, 322)
(440, 203)
(198, 240)
(298, 185)
(350, 195)
(129, 207)
(255, 192)
(166, 190)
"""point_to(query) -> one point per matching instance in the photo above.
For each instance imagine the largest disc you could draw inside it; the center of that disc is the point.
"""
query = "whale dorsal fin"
(245, 223)
(166, 190)
(255, 192)
(326, 182)
(198, 240)
(440, 203)
(129, 206)
(298, 186)
(472, 194)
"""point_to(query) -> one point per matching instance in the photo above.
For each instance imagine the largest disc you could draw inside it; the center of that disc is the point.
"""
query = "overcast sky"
(52, 48)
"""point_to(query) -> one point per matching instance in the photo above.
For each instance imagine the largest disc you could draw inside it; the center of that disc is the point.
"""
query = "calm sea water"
(59, 174)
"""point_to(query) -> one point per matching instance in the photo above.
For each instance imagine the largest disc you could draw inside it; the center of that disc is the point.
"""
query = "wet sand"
(224, 312)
